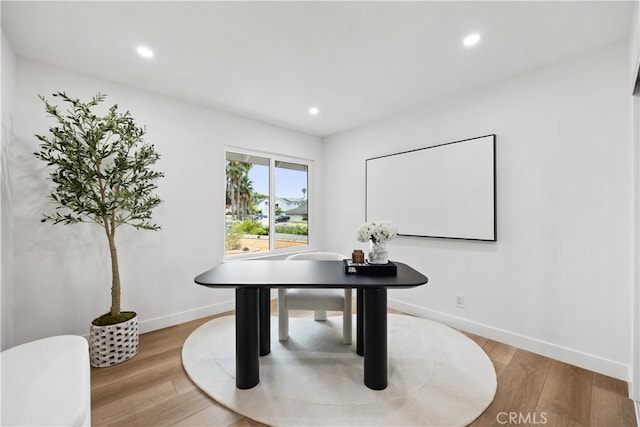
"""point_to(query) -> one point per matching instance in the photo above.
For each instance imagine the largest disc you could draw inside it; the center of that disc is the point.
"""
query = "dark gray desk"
(253, 279)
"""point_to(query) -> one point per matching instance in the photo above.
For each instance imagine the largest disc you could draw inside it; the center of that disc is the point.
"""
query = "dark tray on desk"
(366, 269)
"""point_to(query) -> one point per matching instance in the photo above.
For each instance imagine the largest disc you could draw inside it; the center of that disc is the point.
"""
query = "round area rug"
(437, 376)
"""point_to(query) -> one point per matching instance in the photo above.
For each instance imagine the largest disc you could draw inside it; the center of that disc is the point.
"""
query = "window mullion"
(272, 205)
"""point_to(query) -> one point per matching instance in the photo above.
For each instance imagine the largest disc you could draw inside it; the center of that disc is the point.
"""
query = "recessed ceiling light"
(471, 40)
(314, 111)
(145, 52)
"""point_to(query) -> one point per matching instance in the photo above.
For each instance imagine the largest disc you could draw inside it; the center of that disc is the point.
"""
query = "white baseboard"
(564, 354)
(573, 357)
(637, 406)
(161, 322)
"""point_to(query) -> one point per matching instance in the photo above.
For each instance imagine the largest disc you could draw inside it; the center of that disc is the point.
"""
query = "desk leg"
(360, 322)
(265, 321)
(375, 338)
(247, 362)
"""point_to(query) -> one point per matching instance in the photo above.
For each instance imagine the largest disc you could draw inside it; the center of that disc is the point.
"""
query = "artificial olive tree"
(101, 171)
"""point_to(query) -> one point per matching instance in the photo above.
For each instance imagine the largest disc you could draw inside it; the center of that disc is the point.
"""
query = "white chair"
(319, 300)
(47, 383)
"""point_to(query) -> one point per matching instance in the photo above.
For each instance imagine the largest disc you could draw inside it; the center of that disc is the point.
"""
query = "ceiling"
(355, 61)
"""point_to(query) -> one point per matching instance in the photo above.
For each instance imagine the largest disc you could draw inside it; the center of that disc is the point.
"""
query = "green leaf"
(101, 167)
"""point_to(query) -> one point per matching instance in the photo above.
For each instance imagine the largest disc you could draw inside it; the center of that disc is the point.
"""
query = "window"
(255, 221)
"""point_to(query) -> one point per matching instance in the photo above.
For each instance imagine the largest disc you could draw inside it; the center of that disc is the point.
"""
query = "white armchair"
(47, 382)
(318, 300)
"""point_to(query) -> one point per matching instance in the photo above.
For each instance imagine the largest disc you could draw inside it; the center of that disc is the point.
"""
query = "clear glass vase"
(378, 253)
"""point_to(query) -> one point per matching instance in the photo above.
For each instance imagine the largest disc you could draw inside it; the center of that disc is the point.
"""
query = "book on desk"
(367, 269)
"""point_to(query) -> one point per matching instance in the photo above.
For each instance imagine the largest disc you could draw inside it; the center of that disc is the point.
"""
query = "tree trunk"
(233, 198)
(115, 277)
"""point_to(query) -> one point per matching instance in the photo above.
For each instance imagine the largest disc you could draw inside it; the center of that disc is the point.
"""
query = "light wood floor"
(152, 389)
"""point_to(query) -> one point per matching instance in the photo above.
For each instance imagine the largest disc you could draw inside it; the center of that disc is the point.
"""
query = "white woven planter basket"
(113, 344)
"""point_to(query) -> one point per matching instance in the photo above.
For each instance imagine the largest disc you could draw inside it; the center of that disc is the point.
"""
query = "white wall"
(7, 76)
(558, 280)
(634, 60)
(62, 274)
(635, 338)
(634, 45)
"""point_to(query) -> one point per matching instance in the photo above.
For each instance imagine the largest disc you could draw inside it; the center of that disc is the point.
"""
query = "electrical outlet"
(460, 301)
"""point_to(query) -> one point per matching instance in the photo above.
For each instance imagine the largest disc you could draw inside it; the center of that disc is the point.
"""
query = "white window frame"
(273, 157)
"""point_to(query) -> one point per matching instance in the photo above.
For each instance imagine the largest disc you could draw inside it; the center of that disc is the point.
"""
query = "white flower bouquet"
(377, 231)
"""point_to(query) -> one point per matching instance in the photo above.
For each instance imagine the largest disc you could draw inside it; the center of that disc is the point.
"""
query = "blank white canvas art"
(444, 191)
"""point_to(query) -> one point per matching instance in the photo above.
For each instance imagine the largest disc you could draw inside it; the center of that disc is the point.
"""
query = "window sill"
(278, 254)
